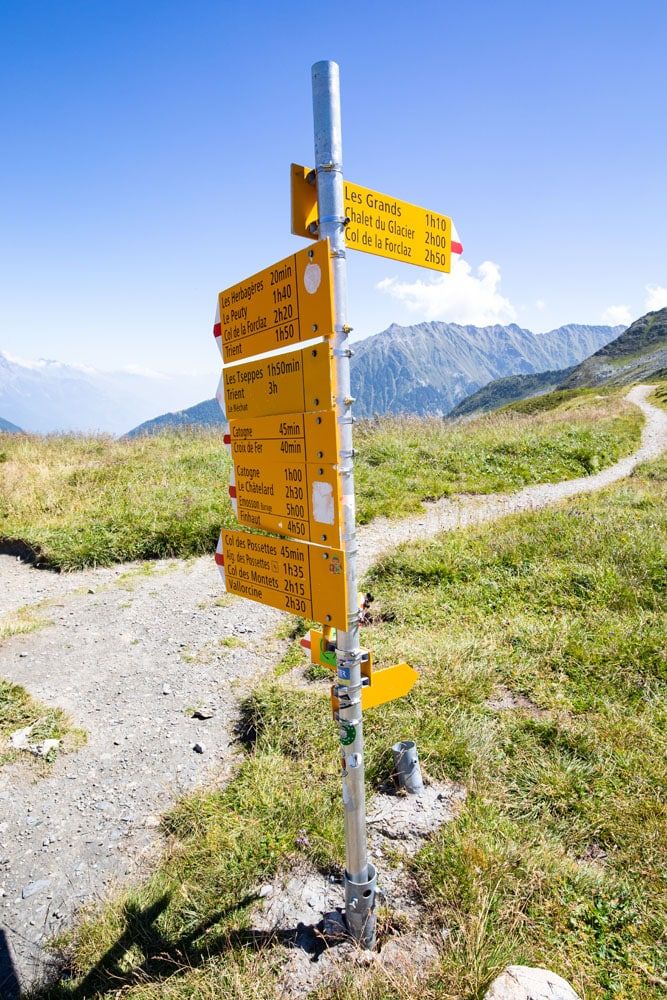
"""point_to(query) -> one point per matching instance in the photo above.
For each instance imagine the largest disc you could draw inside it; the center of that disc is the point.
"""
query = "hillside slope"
(502, 391)
(6, 427)
(206, 414)
(74, 501)
(639, 353)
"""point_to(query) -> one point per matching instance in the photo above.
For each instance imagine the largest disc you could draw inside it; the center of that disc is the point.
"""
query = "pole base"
(360, 899)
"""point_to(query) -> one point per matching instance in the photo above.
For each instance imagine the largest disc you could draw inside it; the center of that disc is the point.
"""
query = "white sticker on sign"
(323, 503)
(312, 277)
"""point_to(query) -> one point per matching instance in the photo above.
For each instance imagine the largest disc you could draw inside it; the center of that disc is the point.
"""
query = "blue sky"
(146, 152)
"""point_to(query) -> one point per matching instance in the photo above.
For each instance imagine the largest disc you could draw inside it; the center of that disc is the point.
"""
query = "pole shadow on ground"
(163, 957)
(10, 988)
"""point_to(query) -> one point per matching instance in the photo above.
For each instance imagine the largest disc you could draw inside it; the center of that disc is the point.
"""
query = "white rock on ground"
(520, 982)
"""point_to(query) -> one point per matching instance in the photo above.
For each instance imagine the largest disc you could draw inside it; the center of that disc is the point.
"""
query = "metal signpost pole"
(360, 875)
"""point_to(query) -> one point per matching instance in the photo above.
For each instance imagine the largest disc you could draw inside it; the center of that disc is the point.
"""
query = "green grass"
(75, 501)
(404, 461)
(23, 620)
(85, 501)
(659, 396)
(559, 856)
(19, 709)
(551, 400)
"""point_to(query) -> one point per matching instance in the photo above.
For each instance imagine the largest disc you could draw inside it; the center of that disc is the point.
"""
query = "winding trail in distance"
(126, 654)
(383, 534)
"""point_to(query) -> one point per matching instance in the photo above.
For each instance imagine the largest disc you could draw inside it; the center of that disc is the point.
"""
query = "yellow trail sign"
(284, 478)
(287, 383)
(386, 685)
(292, 498)
(303, 437)
(303, 579)
(379, 223)
(280, 306)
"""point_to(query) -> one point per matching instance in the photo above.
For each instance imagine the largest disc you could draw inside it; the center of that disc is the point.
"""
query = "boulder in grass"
(520, 982)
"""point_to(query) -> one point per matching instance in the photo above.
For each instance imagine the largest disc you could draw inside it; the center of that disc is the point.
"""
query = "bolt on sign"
(281, 306)
(306, 580)
(378, 223)
(294, 382)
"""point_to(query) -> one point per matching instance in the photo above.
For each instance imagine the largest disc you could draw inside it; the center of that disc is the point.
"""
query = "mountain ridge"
(639, 353)
(429, 368)
(389, 374)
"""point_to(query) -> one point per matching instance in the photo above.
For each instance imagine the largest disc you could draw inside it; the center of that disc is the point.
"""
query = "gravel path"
(127, 654)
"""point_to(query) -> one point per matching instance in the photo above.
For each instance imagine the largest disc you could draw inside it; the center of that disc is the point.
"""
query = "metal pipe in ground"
(406, 767)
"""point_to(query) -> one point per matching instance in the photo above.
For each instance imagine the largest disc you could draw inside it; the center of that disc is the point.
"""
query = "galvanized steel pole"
(360, 875)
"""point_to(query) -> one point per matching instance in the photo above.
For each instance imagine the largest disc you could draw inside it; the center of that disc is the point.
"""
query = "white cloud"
(656, 297)
(540, 304)
(459, 297)
(617, 316)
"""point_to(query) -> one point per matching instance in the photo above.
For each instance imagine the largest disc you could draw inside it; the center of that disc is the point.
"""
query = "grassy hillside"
(639, 354)
(76, 501)
(502, 391)
(403, 461)
(659, 397)
(559, 856)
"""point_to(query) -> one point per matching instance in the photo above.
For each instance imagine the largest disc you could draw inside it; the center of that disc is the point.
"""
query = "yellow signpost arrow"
(299, 437)
(282, 384)
(298, 499)
(307, 580)
(377, 223)
(280, 306)
(385, 685)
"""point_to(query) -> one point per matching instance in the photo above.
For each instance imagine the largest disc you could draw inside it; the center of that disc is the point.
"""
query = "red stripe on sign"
(457, 247)
(220, 559)
(305, 643)
(217, 329)
(232, 491)
(227, 439)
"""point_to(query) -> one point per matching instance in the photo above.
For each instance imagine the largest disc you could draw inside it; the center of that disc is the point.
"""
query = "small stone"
(198, 747)
(166, 689)
(520, 982)
(266, 890)
(202, 713)
(91, 590)
(34, 887)
(44, 748)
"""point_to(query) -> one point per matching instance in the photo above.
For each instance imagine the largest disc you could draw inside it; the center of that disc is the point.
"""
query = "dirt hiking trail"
(129, 652)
